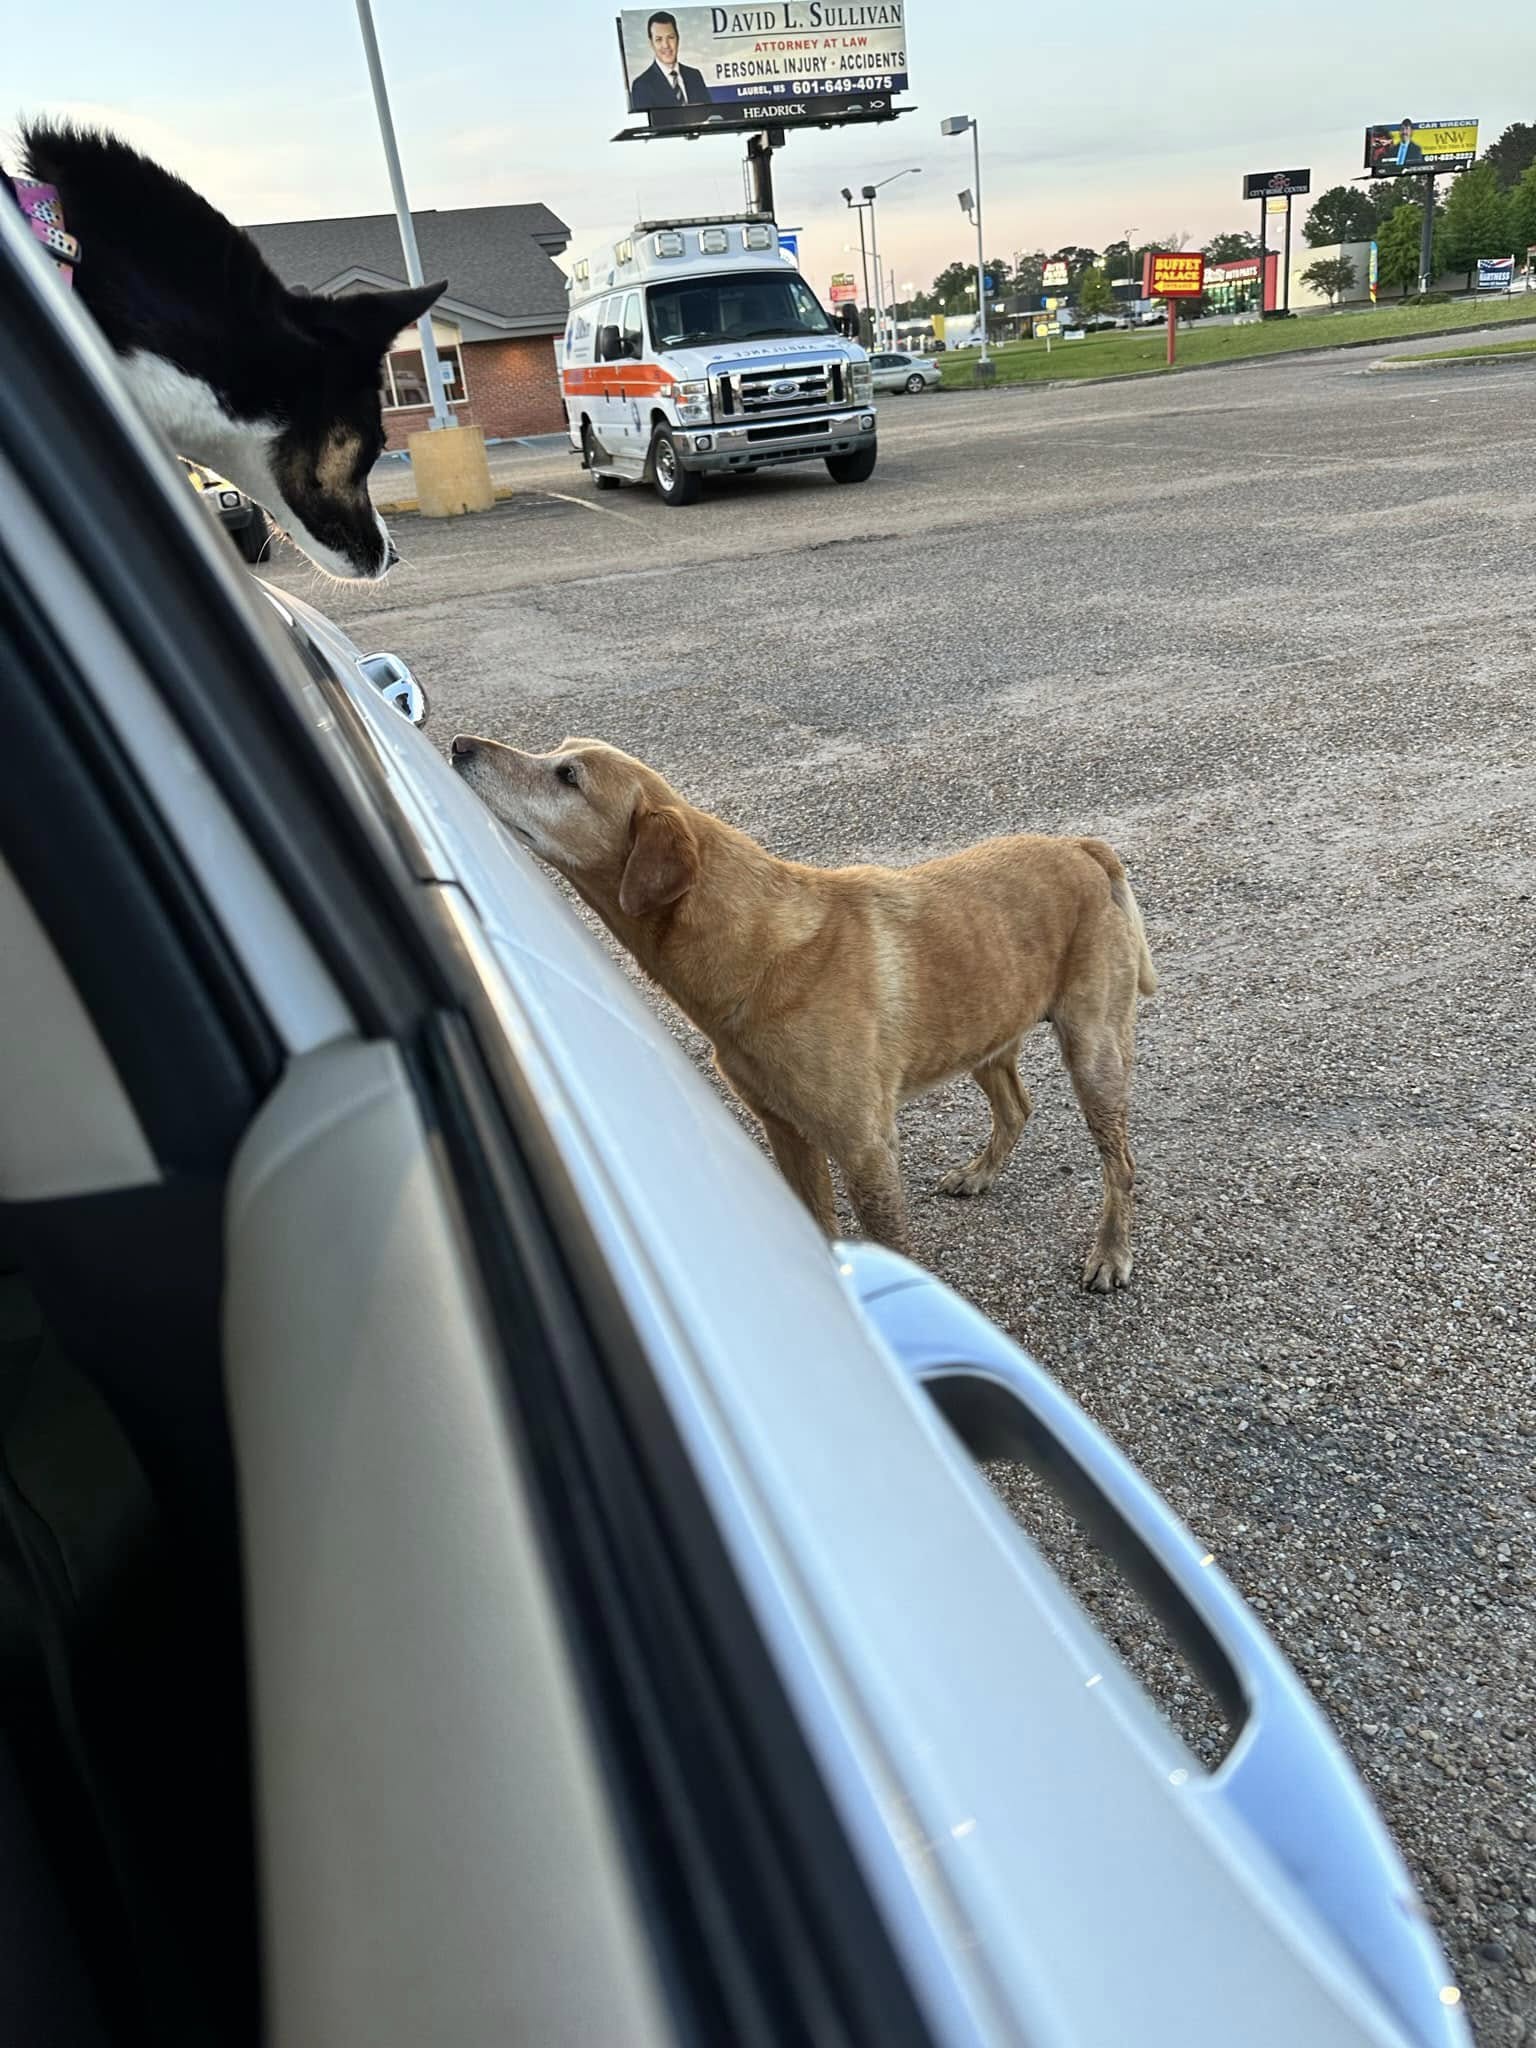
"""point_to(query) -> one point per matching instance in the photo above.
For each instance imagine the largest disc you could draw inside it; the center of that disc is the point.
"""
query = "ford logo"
(785, 388)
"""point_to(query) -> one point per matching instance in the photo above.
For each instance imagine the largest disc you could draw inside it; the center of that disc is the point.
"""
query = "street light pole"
(441, 416)
(957, 125)
(874, 257)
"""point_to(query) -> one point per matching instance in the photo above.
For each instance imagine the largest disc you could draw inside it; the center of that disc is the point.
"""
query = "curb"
(393, 507)
(1466, 362)
(1278, 355)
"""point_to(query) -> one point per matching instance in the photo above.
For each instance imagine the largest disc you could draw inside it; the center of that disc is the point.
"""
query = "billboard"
(767, 57)
(1282, 184)
(1054, 273)
(1395, 149)
(1172, 274)
(844, 291)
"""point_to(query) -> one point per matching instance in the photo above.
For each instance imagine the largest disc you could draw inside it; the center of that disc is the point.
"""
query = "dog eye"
(565, 771)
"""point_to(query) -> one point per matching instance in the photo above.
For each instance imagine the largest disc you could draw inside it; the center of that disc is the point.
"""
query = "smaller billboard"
(1396, 149)
(844, 291)
(1055, 272)
(1277, 205)
(1495, 273)
(1280, 184)
(1172, 274)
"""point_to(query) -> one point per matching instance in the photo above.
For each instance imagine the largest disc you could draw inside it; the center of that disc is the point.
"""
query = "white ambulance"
(697, 345)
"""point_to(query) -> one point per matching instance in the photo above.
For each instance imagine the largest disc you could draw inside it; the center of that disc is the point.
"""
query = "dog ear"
(663, 861)
(373, 319)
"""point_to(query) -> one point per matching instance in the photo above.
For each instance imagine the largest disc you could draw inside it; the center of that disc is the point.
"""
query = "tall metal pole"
(1263, 256)
(981, 258)
(864, 258)
(441, 416)
(1427, 236)
(1286, 258)
(874, 257)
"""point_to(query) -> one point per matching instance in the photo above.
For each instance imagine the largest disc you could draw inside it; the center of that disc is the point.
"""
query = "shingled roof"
(497, 260)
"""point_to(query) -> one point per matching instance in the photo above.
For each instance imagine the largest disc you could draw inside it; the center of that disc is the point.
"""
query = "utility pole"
(441, 416)
(957, 125)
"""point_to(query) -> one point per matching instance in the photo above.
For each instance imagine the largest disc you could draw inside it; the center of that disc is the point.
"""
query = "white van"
(697, 345)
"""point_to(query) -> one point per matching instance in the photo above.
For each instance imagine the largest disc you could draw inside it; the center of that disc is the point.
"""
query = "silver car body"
(895, 372)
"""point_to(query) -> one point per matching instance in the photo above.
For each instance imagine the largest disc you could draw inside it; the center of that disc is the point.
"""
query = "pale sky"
(1126, 116)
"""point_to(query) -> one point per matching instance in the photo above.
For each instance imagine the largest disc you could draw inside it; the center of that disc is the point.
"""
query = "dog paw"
(1107, 1267)
(969, 1179)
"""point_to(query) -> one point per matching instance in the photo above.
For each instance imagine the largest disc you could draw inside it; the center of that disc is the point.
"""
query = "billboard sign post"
(1171, 275)
(1274, 191)
(1421, 149)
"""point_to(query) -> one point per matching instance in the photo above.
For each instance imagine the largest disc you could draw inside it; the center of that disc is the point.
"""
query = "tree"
(954, 289)
(1079, 262)
(1397, 247)
(1094, 296)
(1342, 214)
(1029, 275)
(1476, 220)
(1522, 210)
(1513, 154)
(1235, 247)
(1334, 275)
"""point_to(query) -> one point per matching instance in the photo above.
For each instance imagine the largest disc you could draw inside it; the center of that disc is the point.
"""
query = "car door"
(631, 1650)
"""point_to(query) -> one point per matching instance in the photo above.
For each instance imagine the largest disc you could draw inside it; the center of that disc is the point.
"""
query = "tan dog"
(832, 996)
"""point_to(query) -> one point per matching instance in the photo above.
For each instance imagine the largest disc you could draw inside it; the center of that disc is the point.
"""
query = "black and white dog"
(275, 389)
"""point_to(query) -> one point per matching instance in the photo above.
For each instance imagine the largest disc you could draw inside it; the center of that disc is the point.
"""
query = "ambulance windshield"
(754, 305)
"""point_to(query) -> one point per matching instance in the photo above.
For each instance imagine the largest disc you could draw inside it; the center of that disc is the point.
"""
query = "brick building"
(496, 325)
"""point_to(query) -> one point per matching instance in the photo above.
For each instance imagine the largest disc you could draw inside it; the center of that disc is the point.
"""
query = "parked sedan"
(475, 1565)
(894, 372)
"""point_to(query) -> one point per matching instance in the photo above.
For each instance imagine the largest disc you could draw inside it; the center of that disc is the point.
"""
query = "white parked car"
(476, 1566)
(893, 372)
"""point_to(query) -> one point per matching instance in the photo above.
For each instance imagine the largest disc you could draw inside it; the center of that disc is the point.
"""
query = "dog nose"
(391, 555)
(462, 744)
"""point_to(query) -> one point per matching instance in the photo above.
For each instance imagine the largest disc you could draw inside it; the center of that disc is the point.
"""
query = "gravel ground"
(1270, 632)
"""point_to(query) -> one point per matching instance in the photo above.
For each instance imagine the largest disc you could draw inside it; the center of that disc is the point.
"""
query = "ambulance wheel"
(852, 468)
(602, 479)
(674, 484)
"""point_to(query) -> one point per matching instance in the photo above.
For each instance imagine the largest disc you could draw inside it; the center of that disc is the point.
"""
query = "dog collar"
(45, 216)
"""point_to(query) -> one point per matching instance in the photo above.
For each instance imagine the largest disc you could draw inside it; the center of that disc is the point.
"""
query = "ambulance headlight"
(862, 383)
(692, 399)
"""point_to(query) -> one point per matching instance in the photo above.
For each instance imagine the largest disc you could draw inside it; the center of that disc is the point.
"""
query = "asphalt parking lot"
(1272, 631)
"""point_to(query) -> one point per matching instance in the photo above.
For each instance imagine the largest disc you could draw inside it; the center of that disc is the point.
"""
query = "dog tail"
(1120, 889)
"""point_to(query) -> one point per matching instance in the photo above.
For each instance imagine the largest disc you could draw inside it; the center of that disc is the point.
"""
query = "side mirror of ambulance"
(610, 344)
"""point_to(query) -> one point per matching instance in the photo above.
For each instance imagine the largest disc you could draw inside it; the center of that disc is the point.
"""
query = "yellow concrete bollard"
(452, 474)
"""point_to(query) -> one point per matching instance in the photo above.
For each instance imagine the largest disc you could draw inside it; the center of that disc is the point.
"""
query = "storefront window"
(405, 377)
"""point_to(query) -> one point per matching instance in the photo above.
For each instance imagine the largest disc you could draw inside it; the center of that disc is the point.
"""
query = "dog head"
(313, 462)
(277, 389)
(612, 826)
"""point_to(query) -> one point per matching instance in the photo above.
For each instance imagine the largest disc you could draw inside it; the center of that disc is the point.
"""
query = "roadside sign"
(1495, 273)
(1277, 205)
(1375, 271)
(844, 291)
(1278, 184)
(1055, 273)
(789, 244)
(1051, 305)
(990, 282)
(1173, 274)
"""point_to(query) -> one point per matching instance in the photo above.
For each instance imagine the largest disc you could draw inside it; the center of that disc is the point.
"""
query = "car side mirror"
(609, 345)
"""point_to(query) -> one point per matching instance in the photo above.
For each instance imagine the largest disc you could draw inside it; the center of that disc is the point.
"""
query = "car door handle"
(1286, 1775)
(395, 683)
